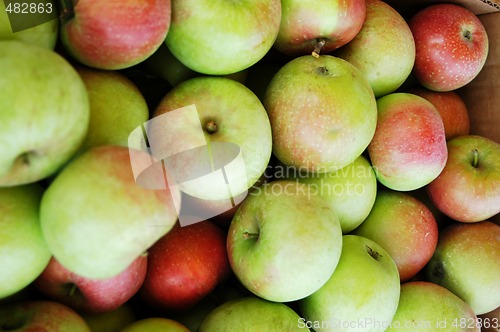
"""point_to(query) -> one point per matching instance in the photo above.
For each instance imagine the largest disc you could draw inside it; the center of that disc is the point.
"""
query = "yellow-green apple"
(452, 109)
(116, 107)
(425, 306)
(228, 114)
(155, 324)
(44, 119)
(185, 266)
(362, 291)
(43, 35)
(467, 262)
(451, 46)
(323, 113)
(107, 220)
(350, 191)
(40, 315)
(284, 241)
(408, 149)
(114, 35)
(468, 188)
(384, 49)
(314, 26)
(490, 321)
(404, 227)
(91, 295)
(233, 37)
(252, 314)
(23, 251)
(110, 321)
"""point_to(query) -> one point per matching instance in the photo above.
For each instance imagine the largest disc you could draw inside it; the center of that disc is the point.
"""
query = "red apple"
(31, 316)
(91, 295)
(468, 188)
(115, 34)
(403, 226)
(304, 24)
(408, 149)
(452, 109)
(184, 266)
(451, 46)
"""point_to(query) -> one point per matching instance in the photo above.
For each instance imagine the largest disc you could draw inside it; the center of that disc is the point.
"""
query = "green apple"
(227, 114)
(97, 220)
(249, 314)
(404, 227)
(425, 306)
(232, 37)
(384, 49)
(116, 107)
(351, 191)
(44, 35)
(155, 324)
(45, 112)
(362, 293)
(23, 251)
(408, 150)
(467, 262)
(110, 321)
(40, 316)
(323, 113)
(284, 241)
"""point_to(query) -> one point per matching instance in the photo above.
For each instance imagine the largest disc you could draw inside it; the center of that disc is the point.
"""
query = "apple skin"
(466, 190)
(116, 107)
(304, 23)
(467, 262)
(35, 144)
(452, 109)
(322, 111)
(280, 265)
(351, 191)
(108, 220)
(408, 149)
(185, 265)
(44, 35)
(451, 46)
(425, 306)
(91, 295)
(239, 117)
(404, 227)
(23, 250)
(40, 315)
(384, 49)
(252, 314)
(115, 34)
(110, 321)
(364, 286)
(155, 324)
(239, 34)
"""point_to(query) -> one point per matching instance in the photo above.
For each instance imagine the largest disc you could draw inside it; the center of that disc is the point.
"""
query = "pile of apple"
(267, 165)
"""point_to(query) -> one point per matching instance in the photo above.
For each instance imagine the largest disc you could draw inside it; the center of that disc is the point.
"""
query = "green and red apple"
(284, 242)
(24, 254)
(383, 50)
(467, 262)
(323, 113)
(404, 227)
(45, 112)
(221, 37)
(114, 35)
(468, 188)
(363, 290)
(108, 220)
(408, 150)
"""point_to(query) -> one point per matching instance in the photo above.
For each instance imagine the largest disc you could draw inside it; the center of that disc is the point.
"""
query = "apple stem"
(248, 235)
(317, 48)
(475, 158)
(211, 127)
(71, 290)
